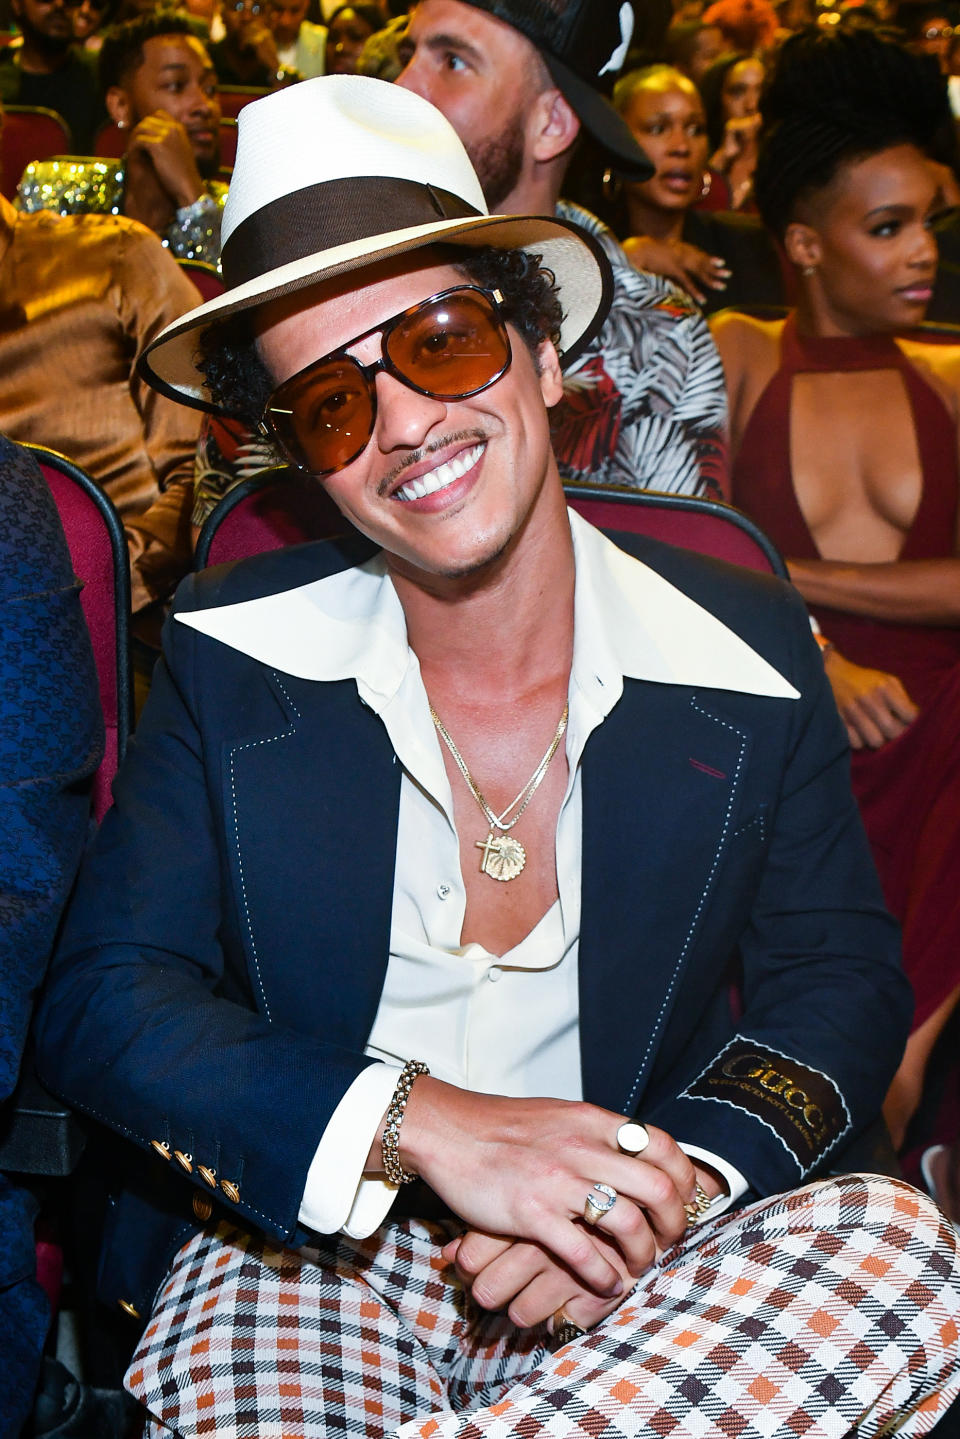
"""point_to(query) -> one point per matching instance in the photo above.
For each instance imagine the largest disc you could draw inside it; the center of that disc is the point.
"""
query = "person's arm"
(151, 292)
(136, 1029)
(51, 739)
(789, 1088)
(920, 592)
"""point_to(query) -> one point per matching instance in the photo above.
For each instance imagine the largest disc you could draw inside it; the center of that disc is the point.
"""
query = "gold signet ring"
(632, 1137)
(599, 1201)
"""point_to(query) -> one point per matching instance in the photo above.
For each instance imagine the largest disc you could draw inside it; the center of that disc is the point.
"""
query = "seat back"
(98, 550)
(234, 97)
(707, 526)
(205, 277)
(267, 512)
(29, 132)
(277, 508)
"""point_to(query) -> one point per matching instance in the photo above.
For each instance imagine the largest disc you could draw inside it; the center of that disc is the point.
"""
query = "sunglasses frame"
(385, 329)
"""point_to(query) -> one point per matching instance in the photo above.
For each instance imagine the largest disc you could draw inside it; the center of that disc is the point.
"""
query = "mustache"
(414, 457)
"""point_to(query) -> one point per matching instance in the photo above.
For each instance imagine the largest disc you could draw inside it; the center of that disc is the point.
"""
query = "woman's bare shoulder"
(939, 363)
(739, 335)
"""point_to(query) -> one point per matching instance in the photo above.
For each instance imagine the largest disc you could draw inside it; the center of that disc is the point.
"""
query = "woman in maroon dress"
(844, 447)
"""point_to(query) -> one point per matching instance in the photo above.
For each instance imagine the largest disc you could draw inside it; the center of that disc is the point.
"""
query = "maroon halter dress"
(909, 790)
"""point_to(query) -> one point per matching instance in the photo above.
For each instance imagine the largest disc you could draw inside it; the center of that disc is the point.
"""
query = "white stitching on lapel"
(238, 749)
(696, 914)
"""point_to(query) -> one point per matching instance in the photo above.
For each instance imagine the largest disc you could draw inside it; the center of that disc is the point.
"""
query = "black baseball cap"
(583, 44)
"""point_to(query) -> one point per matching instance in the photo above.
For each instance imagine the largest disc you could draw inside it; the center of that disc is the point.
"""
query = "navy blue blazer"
(224, 958)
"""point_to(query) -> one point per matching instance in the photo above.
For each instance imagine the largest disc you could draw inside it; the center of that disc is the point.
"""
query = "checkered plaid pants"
(831, 1310)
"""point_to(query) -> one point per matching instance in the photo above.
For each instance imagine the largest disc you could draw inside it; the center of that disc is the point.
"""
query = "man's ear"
(802, 244)
(118, 107)
(551, 376)
(552, 126)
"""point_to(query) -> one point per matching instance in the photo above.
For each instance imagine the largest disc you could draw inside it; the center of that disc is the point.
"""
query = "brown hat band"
(331, 213)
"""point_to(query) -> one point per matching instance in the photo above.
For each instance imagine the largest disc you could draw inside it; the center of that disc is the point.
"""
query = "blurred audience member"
(645, 404)
(301, 45)
(209, 12)
(380, 55)
(747, 25)
(794, 15)
(719, 259)
(50, 743)
(89, 19)
(159, 85)
(247, 54)
(348, 30)
(79, 297)
(928, 30)
(731, 91)
(693, 48)
(869, 520)
(49, 70)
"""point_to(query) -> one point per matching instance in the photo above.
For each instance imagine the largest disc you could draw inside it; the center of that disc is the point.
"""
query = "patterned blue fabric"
(50, 742)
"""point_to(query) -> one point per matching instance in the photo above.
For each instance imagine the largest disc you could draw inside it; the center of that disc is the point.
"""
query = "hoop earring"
(706, 185)
(611, 186)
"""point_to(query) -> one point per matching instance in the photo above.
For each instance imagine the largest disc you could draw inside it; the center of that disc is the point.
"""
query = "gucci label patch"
(803, 1106)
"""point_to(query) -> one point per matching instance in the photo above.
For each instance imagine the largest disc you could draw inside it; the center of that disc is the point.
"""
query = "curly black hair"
(240, 383)
(122, 49)
(837, 98)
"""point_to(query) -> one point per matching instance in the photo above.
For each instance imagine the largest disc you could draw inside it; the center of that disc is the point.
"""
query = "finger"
(868, 731)
(572, 1245)
(585, 1310)
(477, 1250)
(502, 1280)
(876, 706)
(637, 1233)
(664, 1152)
(853, 736)
(690, 285)
(900, 702)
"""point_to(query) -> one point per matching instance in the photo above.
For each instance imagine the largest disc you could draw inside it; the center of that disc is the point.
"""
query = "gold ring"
(564, 1329)
(632, 1137)
(599, 1201)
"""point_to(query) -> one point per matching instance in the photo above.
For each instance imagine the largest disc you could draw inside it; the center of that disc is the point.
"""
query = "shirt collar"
(629, 622)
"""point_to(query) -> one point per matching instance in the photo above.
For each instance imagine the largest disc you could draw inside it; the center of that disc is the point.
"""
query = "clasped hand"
(518, 1171)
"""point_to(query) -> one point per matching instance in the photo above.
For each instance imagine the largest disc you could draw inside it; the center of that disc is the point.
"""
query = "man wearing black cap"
(519, 80)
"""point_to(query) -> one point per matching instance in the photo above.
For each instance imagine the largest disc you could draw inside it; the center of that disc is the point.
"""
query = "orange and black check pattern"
(801, 1317)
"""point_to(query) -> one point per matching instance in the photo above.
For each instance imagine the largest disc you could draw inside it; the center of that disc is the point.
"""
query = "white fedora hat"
(335, 173)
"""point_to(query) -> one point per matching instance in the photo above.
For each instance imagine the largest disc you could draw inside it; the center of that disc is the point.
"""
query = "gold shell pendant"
(503, 856)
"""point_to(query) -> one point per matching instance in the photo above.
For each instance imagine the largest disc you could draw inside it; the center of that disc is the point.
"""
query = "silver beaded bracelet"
(390, 1138)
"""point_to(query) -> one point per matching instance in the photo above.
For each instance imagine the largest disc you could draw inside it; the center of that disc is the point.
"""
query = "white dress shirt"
(503, 1024)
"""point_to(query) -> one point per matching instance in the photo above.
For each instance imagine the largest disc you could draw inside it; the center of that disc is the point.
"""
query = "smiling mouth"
(444, 475)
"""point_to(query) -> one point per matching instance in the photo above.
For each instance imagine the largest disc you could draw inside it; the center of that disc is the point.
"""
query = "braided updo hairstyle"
(839, 97)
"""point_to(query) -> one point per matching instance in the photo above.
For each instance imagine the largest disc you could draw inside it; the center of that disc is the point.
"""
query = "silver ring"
(632, 1137)
(599, 1201)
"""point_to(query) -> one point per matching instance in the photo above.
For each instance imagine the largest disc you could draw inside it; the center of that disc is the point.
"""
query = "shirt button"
(494, 974)
(443, 890)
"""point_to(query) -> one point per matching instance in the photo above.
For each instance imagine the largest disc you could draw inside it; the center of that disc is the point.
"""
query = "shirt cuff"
(337, 1197)
(735, 1181)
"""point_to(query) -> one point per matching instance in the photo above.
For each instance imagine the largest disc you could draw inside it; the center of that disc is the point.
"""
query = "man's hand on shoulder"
(161, 143)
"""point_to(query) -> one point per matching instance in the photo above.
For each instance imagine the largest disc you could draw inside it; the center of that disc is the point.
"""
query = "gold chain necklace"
(503, 855)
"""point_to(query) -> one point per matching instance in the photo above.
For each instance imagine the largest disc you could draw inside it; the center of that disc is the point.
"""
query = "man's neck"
(509, 628)
(37, 59)
(536, 193)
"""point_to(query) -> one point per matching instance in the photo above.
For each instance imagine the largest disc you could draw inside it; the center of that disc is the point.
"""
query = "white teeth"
(442, 476)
